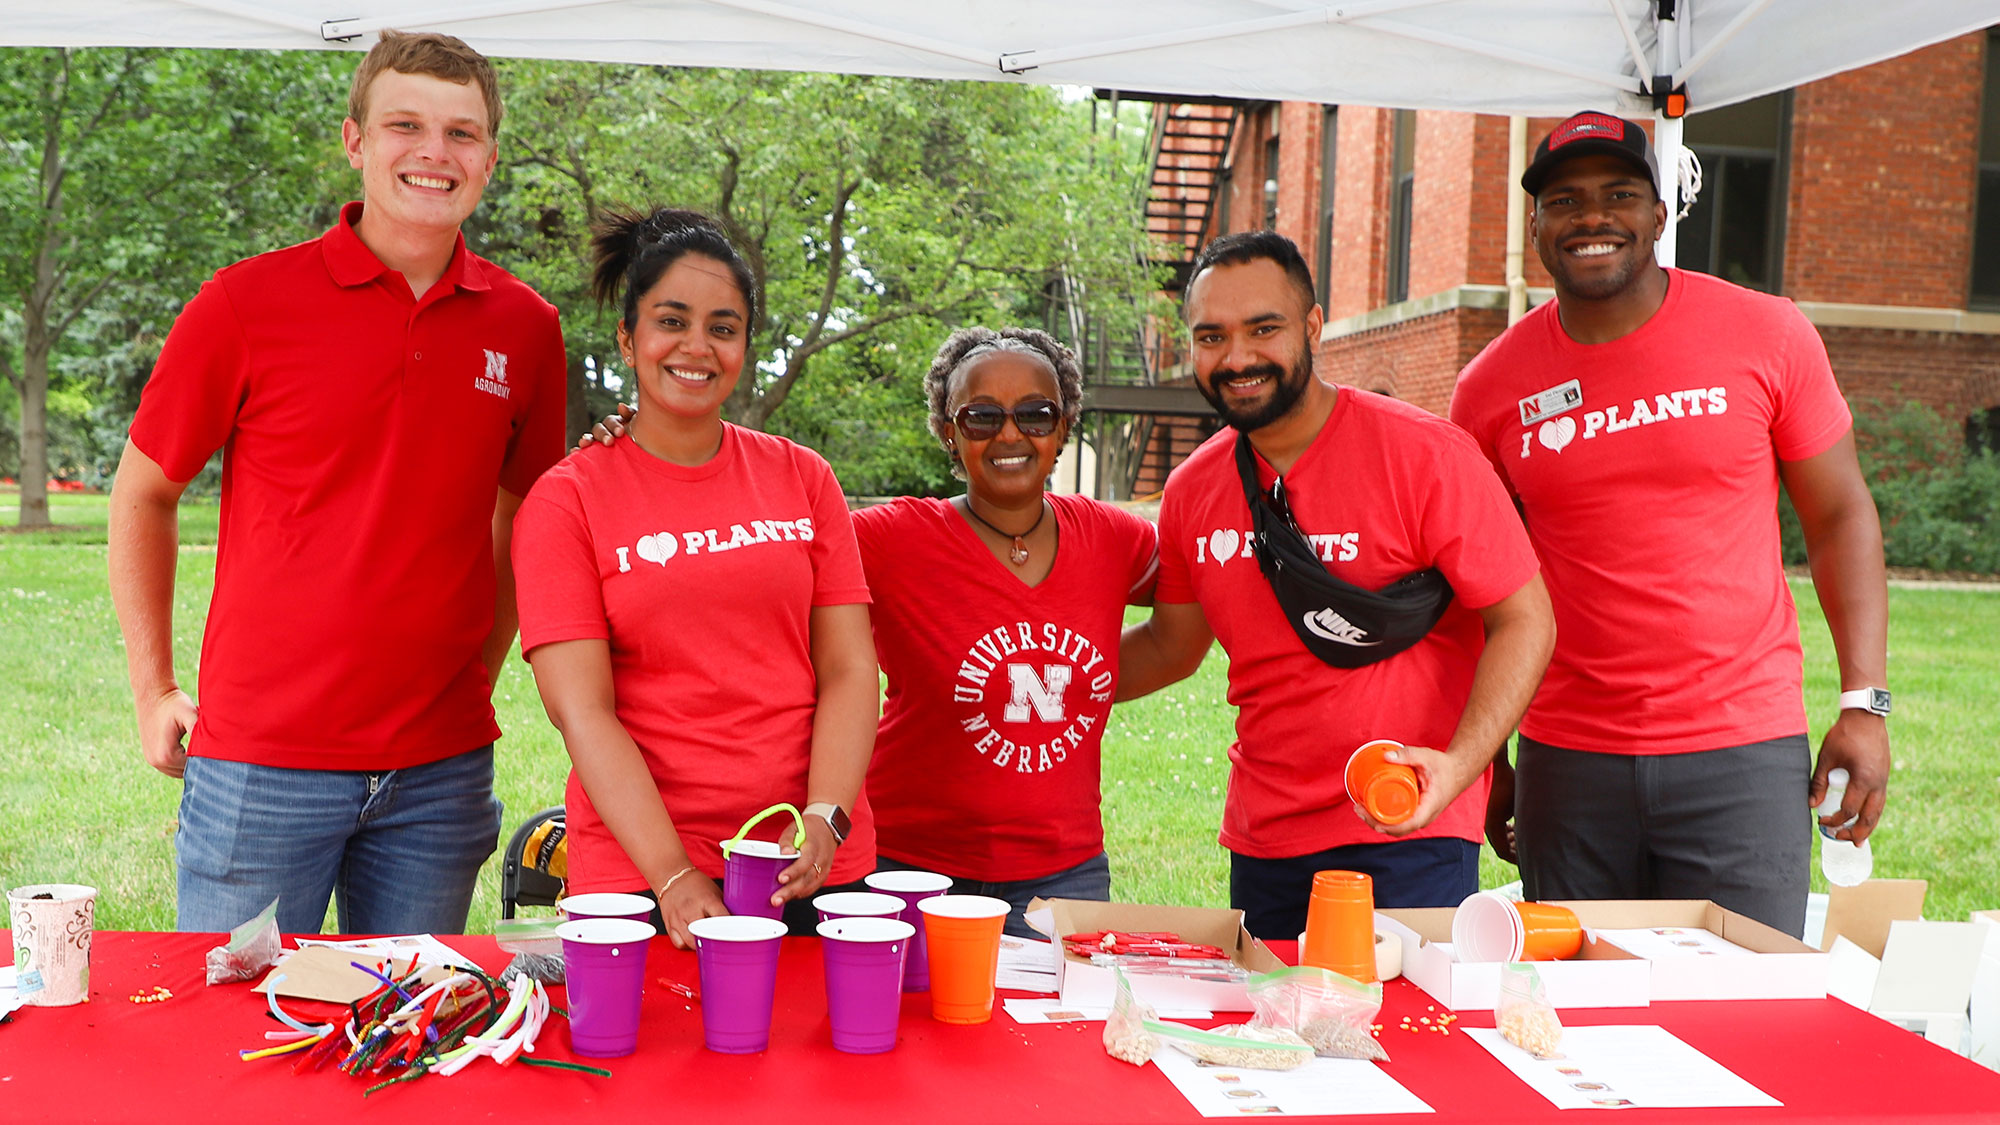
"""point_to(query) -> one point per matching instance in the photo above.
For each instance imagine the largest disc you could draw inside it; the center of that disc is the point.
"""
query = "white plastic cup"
(857, 904)
(53, 924)
(1486, 927)
(606, 904)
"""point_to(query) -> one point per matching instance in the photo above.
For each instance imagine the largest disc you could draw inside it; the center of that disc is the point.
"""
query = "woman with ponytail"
(693, 605)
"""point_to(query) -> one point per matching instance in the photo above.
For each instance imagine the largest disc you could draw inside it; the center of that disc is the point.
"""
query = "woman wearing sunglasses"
(693, 605)
(996, 616)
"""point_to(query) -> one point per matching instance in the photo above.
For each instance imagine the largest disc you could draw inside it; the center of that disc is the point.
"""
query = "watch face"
(840, 823)
(1878, 701)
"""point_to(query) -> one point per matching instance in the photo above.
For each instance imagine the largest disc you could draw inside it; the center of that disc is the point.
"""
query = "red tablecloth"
(112, 1060)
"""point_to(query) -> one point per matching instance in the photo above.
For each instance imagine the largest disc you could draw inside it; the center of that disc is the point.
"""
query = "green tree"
(125, 177)
(865, 204)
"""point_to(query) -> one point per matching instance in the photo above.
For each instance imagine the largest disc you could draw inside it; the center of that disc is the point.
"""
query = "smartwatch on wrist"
(1873, 700)
(836, 817)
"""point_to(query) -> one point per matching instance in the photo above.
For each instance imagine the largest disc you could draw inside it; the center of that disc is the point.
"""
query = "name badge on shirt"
(1549, 403)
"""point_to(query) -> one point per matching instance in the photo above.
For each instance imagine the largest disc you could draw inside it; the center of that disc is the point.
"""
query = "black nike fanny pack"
(1342, 624)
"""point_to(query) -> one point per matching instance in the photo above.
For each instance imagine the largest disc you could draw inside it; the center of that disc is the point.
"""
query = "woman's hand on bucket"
(807, 874)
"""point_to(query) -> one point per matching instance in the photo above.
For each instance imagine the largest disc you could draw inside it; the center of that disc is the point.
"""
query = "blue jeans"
(399, 851)
(1090, 879)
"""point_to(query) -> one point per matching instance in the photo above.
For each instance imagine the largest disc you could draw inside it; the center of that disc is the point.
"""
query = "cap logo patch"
(1587, 125)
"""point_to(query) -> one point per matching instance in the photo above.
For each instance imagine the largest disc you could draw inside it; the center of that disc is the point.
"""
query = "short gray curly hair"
(970, 343)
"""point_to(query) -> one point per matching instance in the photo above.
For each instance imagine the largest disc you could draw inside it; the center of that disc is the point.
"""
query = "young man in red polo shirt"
(1382, 490)
(363, 602)
(1644, 420)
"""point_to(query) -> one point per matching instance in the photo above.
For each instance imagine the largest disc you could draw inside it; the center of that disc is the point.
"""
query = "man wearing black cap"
(1644, 421)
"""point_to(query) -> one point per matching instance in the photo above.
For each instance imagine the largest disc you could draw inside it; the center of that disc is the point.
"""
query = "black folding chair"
(525, 878)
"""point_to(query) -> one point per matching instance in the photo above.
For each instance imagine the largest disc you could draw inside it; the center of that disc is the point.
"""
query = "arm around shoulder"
(1164, 649)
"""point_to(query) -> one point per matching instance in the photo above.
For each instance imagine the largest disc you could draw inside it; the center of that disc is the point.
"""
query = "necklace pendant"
(1019, 555)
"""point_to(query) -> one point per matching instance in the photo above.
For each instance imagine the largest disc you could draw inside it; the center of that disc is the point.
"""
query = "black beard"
(1616, 284)
(1290, 388)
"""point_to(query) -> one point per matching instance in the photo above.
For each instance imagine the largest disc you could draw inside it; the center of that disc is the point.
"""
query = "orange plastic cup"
(1340, 925)
(1388, 790)
(1550, 932)
(962, 936)
(1488, 927)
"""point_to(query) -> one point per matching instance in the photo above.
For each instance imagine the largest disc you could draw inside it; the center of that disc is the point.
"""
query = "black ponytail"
(631, 251)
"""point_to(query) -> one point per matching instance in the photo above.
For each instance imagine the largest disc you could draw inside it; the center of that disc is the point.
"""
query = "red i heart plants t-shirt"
(703, 581)
(1385, 490)
(1647, 469)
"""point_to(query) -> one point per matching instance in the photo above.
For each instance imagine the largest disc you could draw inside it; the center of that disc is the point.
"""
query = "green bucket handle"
(798, 823)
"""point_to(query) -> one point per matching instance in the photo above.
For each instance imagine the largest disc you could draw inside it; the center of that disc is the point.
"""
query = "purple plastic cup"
(604, 965)
(750, 877)
(637, 908)
(739, 978)
(858, 904)
(864, 980)
(912, 887)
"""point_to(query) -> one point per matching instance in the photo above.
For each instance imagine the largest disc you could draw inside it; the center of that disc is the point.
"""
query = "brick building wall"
(1883, 175)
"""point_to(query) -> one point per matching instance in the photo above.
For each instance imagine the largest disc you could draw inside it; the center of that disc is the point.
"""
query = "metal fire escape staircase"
(1147, 416)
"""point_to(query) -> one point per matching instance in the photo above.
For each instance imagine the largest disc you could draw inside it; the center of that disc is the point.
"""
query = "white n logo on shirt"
(1043, 693)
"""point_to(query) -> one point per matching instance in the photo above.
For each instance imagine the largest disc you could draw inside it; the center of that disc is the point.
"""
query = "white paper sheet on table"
(427, 949)
(1661, 942)
(1345, 1087)
(1024, 1010)
(1026, 965)
(1620, 1067)
(9, 1000)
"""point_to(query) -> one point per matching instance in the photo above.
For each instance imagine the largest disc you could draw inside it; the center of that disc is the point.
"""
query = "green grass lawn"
(77, 802)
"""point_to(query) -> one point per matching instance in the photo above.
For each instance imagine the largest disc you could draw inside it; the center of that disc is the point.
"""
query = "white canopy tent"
(1521, 57)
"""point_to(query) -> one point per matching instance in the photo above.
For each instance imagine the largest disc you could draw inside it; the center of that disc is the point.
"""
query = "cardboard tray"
(1603, 975)
(1086, 985)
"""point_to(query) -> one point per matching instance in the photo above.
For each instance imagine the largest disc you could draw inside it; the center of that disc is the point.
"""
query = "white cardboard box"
(1605, 976)
(1086, 985)
(1785, 968)
(1601, 977)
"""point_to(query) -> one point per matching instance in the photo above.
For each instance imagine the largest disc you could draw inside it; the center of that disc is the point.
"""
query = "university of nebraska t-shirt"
(1385, 490)
(986, 763)
(1647, 469)
(703, 582)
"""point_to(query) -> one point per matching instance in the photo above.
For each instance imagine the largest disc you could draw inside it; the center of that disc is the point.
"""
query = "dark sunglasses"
(983, 421)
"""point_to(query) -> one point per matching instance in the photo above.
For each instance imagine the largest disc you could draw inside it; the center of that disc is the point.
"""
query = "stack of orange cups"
(1340, 925)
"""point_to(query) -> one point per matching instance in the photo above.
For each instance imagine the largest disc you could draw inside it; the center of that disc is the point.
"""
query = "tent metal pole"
(1667, 141)
(1517, 219)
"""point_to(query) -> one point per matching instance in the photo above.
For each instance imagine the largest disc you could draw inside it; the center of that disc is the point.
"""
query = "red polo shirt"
(364, 434)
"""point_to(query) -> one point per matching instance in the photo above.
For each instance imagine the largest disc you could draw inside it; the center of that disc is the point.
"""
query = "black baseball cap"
(1591, 134)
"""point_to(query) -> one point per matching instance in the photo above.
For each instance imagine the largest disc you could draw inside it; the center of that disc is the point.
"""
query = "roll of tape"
(1388, 956)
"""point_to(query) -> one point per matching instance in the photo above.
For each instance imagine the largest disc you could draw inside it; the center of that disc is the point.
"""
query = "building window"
(1329, 133)
(1271, 177)
(1736, 229)
(1986, 221)
(1982, 431)
(1402, 195)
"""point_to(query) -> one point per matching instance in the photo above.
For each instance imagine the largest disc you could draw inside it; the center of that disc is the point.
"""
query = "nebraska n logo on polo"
(494, 381)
